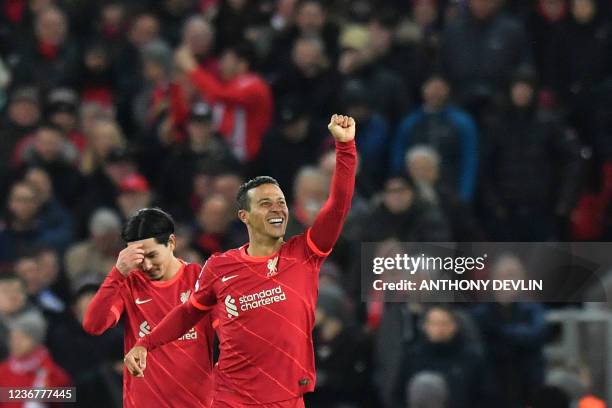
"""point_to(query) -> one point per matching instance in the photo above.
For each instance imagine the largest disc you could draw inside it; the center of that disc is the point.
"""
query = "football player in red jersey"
(264, 293)
(147, 282)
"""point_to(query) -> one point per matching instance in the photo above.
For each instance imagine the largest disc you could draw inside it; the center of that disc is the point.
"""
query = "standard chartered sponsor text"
(262, 298)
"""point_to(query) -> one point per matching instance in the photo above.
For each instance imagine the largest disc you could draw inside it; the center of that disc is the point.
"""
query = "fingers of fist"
(342, 121)
(136, 362)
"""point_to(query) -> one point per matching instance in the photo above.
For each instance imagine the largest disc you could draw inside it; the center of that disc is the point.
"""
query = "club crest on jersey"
(185, 296)
(272, 266)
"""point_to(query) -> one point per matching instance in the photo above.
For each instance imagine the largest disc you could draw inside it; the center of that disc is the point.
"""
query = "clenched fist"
(130, 258)
(342, 128)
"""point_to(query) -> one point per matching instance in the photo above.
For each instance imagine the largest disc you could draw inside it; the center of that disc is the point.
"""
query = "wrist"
(117, 272)
(143, 342)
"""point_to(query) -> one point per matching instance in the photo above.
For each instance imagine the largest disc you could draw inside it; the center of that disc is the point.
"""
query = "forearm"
(214, 89)
(180, 320)
(328, 224)
(105, 308)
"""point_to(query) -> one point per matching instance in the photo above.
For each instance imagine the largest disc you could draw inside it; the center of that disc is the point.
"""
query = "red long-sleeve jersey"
(179, 375)
(242, 109)
(266, 306)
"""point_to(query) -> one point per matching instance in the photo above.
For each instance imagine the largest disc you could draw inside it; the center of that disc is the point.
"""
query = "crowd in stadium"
(477, 120)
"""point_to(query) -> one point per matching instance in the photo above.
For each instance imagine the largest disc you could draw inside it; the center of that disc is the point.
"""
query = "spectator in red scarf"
(29, 363)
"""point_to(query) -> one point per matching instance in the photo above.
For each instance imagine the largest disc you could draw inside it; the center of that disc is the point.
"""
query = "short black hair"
(149, 223)
(242, 199)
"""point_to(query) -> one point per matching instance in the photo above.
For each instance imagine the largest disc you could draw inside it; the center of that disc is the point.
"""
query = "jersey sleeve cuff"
(198, 305)
(115, 313)
(116, 275)
(313, 247)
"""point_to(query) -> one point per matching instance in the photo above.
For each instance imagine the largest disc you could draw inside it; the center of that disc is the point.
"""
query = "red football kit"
(266, 308)
(178, 375)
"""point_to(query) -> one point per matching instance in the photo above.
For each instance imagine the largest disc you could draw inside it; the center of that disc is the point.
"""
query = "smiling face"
(267, 213)
(158, 258)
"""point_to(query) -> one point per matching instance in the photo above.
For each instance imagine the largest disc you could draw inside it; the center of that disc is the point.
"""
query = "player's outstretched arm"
(107, 306)
(180, 320)
(328, 224)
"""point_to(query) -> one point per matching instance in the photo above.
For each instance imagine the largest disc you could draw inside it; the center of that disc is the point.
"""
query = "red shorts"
(292, 403)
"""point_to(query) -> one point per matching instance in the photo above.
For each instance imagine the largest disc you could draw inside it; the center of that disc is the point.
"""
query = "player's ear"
(172, 242)
(243, 215)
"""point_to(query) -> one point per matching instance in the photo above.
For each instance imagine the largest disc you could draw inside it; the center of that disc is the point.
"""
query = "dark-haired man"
(243, 100)
(147, 282)
(265, 293)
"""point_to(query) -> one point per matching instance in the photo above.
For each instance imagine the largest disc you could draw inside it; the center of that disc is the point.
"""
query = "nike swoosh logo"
(226, 278)
(140, 302)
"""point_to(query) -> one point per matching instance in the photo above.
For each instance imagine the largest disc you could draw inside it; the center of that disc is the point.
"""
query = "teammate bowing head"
(147, 282)
(150, 246)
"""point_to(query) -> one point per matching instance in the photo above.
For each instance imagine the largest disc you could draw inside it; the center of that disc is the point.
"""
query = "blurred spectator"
(97, 81)
(52, 58)
(103, 137)
(172, 14)
(199, 37)
(416, 41)
(374, 132)
(51, 150)
(96, 255)
(101, 188)
(423, 165)
(203, 148)
(310, 192)
(545, 24)
(231, 21)
(184, 248)
(307, 77)
(52, 215)
(29, 363)
(243, 99)
(310, 20)
(62, 110)
(520, 145)
(214, 231)
(582, 60)
(386, 89)
(22, 115)
(89, 360)
(401, 214)
(24, 226)
(227, 184)
(39, 270)
(134, 194)
(427, 390)
(342, 354)
(13, 300)
(152, 102)
(513, 334)
(444, 350)
(291, 144)
(143, 29)
(448, 130)
(480, 51)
